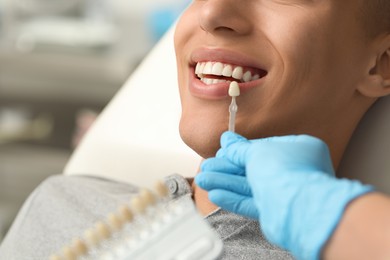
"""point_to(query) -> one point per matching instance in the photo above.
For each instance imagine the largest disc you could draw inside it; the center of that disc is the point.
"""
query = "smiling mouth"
(211, 72)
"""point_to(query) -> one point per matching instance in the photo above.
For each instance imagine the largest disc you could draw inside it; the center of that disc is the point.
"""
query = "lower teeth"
(209, 81)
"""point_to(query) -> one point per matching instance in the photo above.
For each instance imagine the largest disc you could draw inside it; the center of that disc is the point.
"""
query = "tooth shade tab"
(209, 69)
(234, 89)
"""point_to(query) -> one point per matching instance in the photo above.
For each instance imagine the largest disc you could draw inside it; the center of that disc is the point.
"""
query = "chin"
(205, 141)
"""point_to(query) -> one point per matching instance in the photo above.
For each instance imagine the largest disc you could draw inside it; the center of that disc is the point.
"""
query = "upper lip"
(224, 56)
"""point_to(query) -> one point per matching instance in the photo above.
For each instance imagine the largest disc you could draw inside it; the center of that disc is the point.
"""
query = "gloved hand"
(287, 183)
(227, 184)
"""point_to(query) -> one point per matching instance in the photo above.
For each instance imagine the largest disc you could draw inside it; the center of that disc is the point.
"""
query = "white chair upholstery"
(136, 138)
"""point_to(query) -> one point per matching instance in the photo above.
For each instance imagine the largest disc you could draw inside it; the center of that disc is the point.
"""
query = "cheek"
(297, 48)
(300, 38)
(307, 58)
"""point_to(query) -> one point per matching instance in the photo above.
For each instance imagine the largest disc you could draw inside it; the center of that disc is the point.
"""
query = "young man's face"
(302, 60)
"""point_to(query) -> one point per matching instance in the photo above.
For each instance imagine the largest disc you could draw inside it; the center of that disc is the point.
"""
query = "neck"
(202, 202)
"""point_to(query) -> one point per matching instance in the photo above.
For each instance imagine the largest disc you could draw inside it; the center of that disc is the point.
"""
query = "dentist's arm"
(364, 230)
(288, 183)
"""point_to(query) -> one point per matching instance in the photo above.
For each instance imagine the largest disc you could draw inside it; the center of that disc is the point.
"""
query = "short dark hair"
(376, 16)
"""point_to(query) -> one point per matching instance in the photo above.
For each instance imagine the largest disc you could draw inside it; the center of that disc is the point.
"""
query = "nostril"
(221, 28)
(218, 16)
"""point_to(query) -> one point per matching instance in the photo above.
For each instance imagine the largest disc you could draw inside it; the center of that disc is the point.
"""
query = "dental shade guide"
(234, 91)
(148, 227)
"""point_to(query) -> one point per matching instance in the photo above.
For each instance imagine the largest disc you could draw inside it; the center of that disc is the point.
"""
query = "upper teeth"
(226, 70)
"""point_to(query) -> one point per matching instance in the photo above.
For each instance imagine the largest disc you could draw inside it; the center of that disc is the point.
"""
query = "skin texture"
(375, 16)
(323, 73)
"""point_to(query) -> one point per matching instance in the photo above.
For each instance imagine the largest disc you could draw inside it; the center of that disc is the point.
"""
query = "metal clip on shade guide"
(234, 91)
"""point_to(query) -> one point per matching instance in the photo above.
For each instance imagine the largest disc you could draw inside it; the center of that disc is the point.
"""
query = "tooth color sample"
(234, 89)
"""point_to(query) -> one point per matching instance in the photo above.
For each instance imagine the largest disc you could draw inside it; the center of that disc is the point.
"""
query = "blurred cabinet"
(60, 77)
(59, 51)
(58, 57)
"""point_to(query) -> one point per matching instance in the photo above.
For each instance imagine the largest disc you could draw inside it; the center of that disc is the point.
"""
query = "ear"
(377, 80)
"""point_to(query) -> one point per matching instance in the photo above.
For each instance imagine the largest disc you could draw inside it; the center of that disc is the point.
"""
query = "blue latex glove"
(287, 183)
(227, 184)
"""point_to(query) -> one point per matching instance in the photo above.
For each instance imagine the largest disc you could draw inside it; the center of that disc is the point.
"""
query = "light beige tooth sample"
(125, 213)
(148, 197)
(68, 253)
(138, 205)
(91, 237)
(234, 89)
(102, 230)
(55, 257)
(161, 189)
(79, 247)
(115, 221)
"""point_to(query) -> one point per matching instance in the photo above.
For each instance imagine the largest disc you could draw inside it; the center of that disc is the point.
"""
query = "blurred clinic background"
(61, 61)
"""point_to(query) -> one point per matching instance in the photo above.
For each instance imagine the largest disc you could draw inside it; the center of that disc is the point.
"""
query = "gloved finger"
(221, 165)
(316, 150)
(313, 152)
(225, 138)
(229, 137)
(220, 153)
(213, 180)
(236, 203)
(235, 148)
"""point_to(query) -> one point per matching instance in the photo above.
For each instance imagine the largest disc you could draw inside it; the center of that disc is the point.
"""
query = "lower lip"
(216, 91)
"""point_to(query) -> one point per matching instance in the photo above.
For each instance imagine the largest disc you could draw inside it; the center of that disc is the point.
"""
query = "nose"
(225, 16)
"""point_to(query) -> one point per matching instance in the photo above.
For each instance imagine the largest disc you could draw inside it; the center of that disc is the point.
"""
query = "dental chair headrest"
(368, 154)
